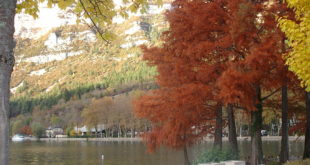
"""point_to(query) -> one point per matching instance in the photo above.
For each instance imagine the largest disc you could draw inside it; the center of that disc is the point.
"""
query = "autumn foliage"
(256, 61)
(177, 115)
(216, 52)
(26, 130)
(189, 62)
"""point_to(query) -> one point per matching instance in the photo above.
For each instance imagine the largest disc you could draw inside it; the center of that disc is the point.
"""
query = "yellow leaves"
(300, 7)
(97, 109)
(269, 115)
(123, 13)
(28, 6)
(63, 4)
(133, 8)
(99, 12)
(159, 2)
(298, 35)
(141, 6)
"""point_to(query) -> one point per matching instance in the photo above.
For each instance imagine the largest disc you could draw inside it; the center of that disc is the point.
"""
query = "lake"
(118, 153)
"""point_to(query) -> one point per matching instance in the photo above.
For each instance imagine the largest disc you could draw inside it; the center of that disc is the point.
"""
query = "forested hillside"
(69, 64)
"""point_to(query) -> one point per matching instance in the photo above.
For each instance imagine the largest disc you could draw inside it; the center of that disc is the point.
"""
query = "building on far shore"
(52, 132)
(99, 130)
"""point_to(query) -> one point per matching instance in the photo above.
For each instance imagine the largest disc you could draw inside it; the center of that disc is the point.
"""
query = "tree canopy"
(297, 32)
(99, 12)
(229, 53)
(183, 109)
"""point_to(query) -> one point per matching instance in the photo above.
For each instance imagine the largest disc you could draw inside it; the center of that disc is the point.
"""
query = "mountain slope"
(68, 60)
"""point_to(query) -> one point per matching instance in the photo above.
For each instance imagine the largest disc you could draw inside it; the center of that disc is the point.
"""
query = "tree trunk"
(4, 113)
(119, 131)
(77, 129)
(284, 154)
(186, 159)
(307, 136)
(125, 132)
(232, 135)
(107, 133)
(256, 126)
(133, 130)
(7, 44)
(218, 128)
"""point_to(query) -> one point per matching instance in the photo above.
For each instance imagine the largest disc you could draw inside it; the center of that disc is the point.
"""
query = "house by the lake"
(52, 132)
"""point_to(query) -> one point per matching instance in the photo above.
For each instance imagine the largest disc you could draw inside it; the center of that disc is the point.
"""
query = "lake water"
(118, 153)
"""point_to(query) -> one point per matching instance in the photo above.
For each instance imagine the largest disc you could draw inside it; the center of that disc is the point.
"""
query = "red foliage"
(178, 115)
(26, 130)
(215, 52)
(258, 53)
(189, 62)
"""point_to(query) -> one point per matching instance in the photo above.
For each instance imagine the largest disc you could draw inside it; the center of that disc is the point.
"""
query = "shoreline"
(264, 138)
(94, 139)
(139, 139)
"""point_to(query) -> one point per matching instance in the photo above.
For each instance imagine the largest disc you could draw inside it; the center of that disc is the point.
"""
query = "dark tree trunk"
(107, 132)
(284, 154)
(232, 135)
(96, 131)
(7, 44)
(186, 159)
(218, 128)
(133, 131)
(307, 136)
(5, 72)
(256, 127)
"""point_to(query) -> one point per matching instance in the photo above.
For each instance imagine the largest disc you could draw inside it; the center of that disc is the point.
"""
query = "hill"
(65, 63)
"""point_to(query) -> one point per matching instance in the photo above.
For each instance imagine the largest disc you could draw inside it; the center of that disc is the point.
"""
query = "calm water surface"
(118, 153)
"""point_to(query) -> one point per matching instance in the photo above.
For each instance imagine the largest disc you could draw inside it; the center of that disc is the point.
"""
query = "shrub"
(299, 162)
(68, 131)
(37, 130)
(72, 133)
(216, 155)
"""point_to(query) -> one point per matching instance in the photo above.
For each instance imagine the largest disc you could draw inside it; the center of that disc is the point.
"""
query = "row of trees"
(113, 112)
(221, 54)
(25, 126)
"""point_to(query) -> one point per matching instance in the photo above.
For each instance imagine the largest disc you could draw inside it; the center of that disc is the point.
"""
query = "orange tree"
(190, 60)
(230, 49)
(256, 67)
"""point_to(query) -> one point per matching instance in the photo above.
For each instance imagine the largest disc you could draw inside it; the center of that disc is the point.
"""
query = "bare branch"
(272, 93)
(97, 28)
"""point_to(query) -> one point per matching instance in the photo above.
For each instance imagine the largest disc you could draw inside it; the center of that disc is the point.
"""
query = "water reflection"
(118, 153)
